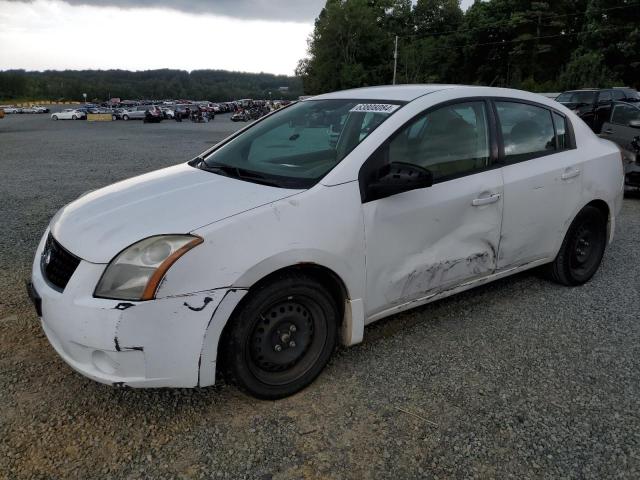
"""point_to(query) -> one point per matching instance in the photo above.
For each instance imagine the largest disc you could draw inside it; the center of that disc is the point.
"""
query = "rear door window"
(605, 96)
(527, 131)
(623, 114)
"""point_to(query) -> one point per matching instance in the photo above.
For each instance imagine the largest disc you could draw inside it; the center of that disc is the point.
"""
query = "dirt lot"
(517, 379)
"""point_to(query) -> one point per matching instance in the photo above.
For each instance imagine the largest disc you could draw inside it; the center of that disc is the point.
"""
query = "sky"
(241, 35)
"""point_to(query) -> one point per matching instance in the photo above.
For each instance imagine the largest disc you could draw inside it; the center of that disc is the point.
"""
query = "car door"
(542, 180)
(618, 128)
(425, 241)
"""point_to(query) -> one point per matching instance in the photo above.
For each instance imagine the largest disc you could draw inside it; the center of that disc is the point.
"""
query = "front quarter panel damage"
(170, 332)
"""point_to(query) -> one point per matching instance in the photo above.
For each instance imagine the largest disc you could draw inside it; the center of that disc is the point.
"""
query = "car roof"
(400, 93)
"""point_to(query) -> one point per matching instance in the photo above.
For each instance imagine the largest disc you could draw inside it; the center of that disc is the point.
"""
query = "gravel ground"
(517, 379)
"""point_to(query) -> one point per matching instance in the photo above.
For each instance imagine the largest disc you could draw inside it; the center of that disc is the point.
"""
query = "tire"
(114, 118)
(73, 117)
(281, 337)
(582, 249)
(125, 117)
(54, 117)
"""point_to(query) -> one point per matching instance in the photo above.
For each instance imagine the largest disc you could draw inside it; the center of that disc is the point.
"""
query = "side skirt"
(452, 291)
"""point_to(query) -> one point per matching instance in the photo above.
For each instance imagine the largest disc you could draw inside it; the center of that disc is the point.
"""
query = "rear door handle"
(477, 202)
(570, 174)
(608, 131)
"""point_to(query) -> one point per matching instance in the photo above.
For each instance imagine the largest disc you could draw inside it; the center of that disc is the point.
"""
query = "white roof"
(403, 93)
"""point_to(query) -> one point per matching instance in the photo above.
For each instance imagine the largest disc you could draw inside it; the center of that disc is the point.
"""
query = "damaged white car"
(260, 255)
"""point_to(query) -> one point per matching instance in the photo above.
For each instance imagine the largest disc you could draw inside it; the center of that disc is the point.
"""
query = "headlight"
(136, 272)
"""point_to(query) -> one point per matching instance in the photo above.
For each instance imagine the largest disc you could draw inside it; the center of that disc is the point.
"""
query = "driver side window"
(450, 141)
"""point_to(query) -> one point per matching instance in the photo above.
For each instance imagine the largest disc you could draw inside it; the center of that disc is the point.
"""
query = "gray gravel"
(517, 379)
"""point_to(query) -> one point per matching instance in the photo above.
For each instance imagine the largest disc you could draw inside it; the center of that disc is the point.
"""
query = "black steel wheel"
(281, 337)
(582, 249)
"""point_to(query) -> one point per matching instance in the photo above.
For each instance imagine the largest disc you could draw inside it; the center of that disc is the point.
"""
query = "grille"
(57, 264)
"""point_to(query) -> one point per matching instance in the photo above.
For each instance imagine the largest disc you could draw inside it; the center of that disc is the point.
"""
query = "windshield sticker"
(375, 108)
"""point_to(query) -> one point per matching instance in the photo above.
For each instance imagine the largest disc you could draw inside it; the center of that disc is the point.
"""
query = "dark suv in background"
(593, 105)
(623, 128)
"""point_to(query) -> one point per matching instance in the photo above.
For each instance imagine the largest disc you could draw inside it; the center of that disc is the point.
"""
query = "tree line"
(533, 45)
(214, 85)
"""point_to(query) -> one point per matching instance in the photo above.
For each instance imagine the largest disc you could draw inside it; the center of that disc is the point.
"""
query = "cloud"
(282, 10)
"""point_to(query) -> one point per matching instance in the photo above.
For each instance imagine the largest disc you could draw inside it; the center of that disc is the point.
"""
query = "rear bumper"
(155, 343)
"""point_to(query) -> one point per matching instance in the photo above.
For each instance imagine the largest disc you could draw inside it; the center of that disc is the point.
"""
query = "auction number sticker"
(375, 108)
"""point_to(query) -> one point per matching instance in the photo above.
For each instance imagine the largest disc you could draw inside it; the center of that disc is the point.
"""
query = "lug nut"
(277, 348)
(292, 328)
(292, 344)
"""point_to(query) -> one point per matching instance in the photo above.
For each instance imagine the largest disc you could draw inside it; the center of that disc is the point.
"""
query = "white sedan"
(69, 114)
(260, 255)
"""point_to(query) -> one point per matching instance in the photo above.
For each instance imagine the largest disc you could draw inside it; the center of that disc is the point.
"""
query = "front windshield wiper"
(237, 172)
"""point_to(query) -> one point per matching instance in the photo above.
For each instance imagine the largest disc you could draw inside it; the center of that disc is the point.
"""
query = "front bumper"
(155, 343)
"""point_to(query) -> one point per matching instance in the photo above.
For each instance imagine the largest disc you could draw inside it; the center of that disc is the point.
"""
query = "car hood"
(178, 199)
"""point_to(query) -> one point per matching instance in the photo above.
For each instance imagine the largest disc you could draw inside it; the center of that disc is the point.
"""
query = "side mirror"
(398, 177)
(634, 123)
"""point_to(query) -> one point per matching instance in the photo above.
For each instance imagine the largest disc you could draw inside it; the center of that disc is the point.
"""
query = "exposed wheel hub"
(583, 245)
(281, 336)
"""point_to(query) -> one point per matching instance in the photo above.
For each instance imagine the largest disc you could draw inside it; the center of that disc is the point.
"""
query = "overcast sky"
(244, 35)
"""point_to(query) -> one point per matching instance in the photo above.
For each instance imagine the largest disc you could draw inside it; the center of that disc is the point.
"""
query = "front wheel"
(281, 337)
(73, 117)
(114, 118)
(54, 117)
(125, 117)
(582, 249)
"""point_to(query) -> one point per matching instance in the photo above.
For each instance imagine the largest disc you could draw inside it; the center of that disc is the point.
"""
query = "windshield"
(577, 97)
(297, 146)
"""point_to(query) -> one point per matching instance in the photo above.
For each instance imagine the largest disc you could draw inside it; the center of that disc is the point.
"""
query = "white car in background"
(69, 114)
(12, 109)
(261, 254)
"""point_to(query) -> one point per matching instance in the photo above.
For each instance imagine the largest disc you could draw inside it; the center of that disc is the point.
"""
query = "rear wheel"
(54, 117)
(73, 117)
(582, 249)
(114, 118)
(281, 337)
(125, 117)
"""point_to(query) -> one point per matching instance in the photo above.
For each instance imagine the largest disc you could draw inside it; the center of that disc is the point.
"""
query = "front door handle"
(570, 174)
(477, 202)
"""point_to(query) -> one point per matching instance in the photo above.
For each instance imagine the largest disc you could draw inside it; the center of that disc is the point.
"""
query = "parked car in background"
(12, 109)
(139, 112)
(593, 106)
(153, 114)
(69, 114)
(184, 110)
(167, 113)
(261, 254)
(623, 128)
(41, 109)
(241, 116)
